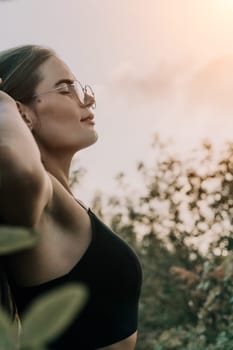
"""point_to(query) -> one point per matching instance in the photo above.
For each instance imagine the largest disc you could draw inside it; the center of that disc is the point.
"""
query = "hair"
(20, 76)
(19, 70)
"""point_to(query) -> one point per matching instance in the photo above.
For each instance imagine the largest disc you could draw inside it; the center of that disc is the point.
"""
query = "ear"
(26, 114)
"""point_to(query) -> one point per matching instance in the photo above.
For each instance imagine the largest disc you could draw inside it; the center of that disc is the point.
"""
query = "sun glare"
(224, 5)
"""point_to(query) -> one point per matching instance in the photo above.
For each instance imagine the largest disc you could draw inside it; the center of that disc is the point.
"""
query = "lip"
(88, 121)
(88, 118)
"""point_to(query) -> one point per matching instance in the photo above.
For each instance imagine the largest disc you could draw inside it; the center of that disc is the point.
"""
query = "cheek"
(59, 118)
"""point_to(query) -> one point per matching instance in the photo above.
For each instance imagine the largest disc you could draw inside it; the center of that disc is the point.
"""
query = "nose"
(90, 101)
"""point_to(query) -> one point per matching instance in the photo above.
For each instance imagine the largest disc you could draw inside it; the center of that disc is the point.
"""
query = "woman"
(45, 118)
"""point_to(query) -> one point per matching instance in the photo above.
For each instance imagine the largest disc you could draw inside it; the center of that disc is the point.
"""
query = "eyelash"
(68, 92)
(65, 92)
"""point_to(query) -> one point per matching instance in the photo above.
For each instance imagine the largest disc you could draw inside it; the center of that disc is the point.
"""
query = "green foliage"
(6, 332)
(180, 224)
(50, 314)
(13, 239)
(47, 317)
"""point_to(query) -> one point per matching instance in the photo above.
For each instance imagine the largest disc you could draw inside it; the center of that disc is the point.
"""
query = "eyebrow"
(68, 81)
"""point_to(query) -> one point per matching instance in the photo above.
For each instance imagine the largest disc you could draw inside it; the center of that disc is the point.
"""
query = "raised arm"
(25, 187)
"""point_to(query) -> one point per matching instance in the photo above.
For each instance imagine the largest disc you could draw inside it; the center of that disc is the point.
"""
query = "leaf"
(6, 338)
(16, 238)
(35, 348)
(50, 314)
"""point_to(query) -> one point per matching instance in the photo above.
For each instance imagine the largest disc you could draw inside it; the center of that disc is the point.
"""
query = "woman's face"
(59, 123)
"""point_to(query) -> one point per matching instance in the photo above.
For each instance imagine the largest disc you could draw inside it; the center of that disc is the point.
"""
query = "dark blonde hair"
(20, 75)
(19, 70)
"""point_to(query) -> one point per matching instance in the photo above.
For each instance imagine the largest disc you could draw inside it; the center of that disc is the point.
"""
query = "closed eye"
(64, 92)
(64, 89)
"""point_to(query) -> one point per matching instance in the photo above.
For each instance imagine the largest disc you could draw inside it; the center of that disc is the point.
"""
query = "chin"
(91, 141)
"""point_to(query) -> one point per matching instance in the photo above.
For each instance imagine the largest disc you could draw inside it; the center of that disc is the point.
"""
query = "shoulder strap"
(82, 204)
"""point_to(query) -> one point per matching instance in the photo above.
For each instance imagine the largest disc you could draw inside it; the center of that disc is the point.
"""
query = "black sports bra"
(112, 272)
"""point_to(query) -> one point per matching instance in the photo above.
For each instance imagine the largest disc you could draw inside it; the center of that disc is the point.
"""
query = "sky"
(157, 66)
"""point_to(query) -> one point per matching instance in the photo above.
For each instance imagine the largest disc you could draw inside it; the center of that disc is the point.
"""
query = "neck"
(59, 167)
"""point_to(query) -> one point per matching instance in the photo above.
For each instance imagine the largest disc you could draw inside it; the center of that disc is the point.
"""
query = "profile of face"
(59, 121)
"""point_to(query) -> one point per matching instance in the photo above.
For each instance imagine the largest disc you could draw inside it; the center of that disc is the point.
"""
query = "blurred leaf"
(35, 348)
(16, 238)
(6, 338)
(50, 314)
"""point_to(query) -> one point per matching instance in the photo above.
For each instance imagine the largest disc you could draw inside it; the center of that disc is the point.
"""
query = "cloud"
(200, 86)
(161, 80)
(188, 100)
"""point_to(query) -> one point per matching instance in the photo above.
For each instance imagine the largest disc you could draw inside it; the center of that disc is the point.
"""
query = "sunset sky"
(157, 66)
